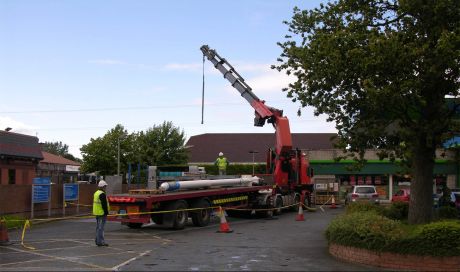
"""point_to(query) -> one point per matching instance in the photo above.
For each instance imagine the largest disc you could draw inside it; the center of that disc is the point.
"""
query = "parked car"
(402, 195)
(457, 200)
(363, 193)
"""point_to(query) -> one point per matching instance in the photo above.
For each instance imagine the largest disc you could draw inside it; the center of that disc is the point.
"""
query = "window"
(11, 176)
(365, 190)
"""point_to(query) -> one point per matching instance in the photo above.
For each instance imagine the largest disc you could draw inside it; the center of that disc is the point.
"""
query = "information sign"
(70, 191)
(41, 190)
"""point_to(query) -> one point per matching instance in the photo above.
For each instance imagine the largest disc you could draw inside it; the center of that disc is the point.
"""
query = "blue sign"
(41, 189)
(70, 191)
(45, 180)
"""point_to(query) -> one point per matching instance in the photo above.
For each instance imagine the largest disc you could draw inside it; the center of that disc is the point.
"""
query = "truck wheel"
(278, 206)
(201, 218)
(178, 219)
(307, 201)
(135, 225)
(265, 212)
(157, 218)
(296, 202)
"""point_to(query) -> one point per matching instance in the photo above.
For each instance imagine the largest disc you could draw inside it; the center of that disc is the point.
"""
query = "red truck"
(291, 176)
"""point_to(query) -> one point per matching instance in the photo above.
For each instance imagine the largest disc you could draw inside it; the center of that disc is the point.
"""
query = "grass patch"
(13, 221)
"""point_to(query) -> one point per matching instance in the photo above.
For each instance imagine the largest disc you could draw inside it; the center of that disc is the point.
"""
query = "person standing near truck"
(222, 163)
(100, 210)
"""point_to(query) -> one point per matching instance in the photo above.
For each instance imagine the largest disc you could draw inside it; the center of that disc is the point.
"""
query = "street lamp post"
(118, 159)
(253, 152)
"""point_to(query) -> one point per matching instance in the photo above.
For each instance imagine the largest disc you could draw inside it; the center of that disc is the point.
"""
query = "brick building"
(59, 169)
(19, 157)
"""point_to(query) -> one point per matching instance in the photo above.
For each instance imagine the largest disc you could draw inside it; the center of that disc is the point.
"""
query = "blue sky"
(71, 70)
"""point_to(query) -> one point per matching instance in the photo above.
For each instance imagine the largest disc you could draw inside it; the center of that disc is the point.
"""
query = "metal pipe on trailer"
(195, 184)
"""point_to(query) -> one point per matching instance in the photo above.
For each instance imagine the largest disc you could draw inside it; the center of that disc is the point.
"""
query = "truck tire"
(278, 206)
(157, 218)
(266, 211)
(307, 201)
(201, 218)
(134, 225)
(295, 208)
(177, 220)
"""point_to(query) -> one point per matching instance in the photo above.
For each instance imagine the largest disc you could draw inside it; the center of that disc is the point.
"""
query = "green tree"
(162, 145)
(381, 70)
(101, 154)
(60, 149)
(159, 145)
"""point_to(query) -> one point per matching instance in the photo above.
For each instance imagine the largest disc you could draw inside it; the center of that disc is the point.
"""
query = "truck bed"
(166, 196)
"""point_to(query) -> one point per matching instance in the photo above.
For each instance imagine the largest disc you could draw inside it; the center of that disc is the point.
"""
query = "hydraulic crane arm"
(262, 111)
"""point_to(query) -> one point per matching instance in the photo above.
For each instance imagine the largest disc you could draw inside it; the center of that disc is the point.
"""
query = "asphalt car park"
(256, 244)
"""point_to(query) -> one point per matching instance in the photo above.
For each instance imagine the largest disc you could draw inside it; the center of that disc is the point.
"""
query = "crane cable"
(202, 97)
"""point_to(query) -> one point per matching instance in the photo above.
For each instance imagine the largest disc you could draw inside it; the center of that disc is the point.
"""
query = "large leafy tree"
(159, 145)
(101, 154)
(381, 69)
(60, 149)
(162, 144)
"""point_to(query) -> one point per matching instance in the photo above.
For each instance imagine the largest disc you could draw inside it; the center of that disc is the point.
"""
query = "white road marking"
(115, 268)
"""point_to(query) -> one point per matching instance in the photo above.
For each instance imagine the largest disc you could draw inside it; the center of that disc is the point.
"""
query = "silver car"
(363, 193)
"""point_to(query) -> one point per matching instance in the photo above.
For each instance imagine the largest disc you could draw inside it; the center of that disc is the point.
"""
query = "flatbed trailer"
(173, 209)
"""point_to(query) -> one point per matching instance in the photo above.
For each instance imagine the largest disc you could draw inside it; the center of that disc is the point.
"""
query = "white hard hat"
(221, 154)
(102, 183)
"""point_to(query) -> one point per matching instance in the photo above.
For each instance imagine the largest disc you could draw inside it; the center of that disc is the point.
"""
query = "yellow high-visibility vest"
(222, 163)
(97, 205)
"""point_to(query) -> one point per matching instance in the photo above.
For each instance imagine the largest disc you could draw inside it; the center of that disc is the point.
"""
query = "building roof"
(55, 159)
(19, 146)
(204, 148)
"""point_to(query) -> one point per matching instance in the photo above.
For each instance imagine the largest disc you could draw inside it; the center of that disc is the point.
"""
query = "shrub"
(364, 230)
(236, 169)
(434, 239)
(372, 231)
(360, 207)
(447, 212)
(13, 221)
(397, 211)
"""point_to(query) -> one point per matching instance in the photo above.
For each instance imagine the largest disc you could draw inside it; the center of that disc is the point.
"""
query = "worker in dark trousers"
(100, 210)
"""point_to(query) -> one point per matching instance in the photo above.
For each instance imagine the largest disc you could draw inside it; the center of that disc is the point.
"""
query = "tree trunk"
(421, 188)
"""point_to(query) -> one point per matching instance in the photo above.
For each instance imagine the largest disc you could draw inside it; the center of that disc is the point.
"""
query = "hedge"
(435, 239)
(235, 169)
(368, 228)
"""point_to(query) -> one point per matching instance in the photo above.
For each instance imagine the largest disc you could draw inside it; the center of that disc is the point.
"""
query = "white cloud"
(17, 126)
(271, 81)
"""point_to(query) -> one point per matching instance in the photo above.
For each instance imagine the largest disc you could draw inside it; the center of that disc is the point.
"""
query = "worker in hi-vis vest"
(100, 210)
(222, 163)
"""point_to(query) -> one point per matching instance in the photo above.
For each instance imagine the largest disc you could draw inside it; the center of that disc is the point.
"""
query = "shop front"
(387, 177)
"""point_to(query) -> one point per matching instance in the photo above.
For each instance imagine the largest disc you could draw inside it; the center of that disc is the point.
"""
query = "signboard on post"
(41, 193)
(41, 190)
(70, 192)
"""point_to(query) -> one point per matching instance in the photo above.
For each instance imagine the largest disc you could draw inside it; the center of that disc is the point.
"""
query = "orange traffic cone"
(300, 216)
(333, 206)
(4, 241)
(224, 227)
